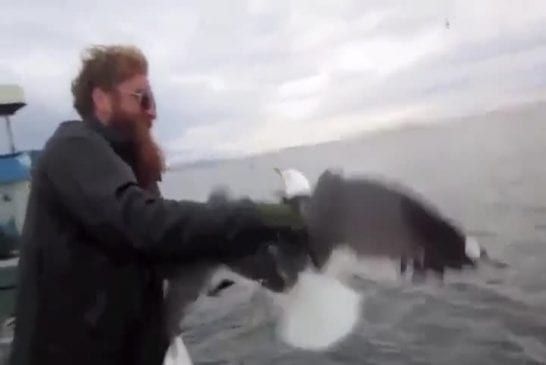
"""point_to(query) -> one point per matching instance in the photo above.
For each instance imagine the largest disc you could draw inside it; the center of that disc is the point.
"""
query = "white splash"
(177, 354)
(318, 312)
(472, 248)
(345, 263)
(322, 309)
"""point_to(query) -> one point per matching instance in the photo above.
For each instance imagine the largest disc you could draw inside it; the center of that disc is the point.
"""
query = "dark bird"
(366, 219)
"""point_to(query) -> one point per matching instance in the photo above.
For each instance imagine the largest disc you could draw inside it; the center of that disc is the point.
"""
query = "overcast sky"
(247, 76)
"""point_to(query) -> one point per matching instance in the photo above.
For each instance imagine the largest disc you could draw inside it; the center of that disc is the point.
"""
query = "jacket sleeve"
(94, 185)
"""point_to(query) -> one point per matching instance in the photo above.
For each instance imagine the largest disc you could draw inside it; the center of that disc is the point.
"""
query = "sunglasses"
(145, 99)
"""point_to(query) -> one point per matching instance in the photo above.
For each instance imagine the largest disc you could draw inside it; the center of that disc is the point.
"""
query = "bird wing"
(376, 219)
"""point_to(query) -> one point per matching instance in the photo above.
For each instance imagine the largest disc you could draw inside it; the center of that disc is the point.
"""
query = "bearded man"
(97, 228)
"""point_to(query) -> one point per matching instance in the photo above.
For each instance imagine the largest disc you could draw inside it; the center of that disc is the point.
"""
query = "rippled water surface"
(487, 173)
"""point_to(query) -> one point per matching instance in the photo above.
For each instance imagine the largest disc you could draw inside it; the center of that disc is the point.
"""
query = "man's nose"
(152, 113)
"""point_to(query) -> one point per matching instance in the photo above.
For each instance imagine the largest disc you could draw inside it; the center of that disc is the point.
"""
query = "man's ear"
(102, 101)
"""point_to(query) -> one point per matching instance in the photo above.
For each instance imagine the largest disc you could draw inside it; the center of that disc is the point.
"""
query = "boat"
(15, 172)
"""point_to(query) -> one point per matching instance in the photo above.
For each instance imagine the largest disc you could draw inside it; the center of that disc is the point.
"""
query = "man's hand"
(256, 225)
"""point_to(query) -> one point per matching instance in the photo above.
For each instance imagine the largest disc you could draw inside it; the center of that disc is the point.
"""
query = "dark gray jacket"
(89, 290)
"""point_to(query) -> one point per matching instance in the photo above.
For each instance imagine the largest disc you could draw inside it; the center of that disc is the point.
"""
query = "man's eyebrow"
(143, 89)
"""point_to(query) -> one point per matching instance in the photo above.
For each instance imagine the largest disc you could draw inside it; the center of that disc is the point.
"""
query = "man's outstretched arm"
(97, 187)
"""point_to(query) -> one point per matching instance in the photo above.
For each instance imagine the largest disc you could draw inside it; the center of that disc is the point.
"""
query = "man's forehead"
(137, 82)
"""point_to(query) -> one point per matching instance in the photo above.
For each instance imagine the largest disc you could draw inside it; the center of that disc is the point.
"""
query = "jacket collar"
(111, 134)
(120, 143)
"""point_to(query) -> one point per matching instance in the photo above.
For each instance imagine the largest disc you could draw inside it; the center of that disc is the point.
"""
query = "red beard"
(150, 161)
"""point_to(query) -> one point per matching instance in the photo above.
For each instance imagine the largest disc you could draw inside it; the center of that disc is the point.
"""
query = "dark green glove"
(280, 215)
(254, 225)
(261, 224)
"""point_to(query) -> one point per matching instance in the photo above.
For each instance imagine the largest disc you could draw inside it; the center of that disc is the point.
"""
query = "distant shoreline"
(414, 124)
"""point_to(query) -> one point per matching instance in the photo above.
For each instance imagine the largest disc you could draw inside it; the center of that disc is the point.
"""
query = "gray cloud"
(244, 76)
